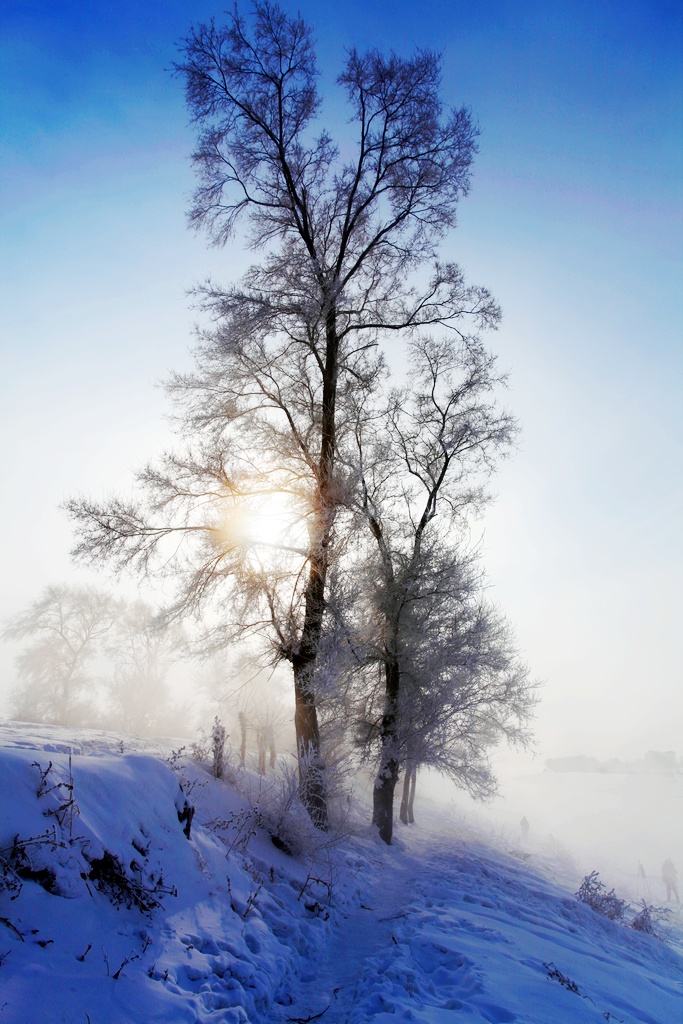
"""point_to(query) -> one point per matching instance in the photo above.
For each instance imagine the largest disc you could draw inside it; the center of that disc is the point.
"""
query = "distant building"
(662, 762)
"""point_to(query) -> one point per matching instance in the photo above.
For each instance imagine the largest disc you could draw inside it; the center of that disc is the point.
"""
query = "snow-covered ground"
(119, 918)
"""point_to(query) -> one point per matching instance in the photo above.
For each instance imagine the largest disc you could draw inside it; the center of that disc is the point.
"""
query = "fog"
(605, 821)
(586, 810)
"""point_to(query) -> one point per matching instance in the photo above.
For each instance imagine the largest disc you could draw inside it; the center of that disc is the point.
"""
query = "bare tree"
(141, 652)
(346, 243)
(452, 684)
(65, 627)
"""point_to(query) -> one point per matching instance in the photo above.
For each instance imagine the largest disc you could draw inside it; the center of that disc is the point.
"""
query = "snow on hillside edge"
(120, 918)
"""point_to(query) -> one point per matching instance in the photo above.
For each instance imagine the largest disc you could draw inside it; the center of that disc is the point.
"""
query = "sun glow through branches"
(262, 521)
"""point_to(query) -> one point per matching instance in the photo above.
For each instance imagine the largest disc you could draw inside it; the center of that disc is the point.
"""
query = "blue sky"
(574, 222)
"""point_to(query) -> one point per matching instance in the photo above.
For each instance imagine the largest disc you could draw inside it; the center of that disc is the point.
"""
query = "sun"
(269, 520)
(273, 520)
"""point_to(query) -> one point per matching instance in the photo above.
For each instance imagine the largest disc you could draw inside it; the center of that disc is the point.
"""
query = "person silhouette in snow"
(670, 877)
(524, 828)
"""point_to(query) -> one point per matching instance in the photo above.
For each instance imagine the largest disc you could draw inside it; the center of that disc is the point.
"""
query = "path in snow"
(365, 956)
(441, 928)
(332, 986)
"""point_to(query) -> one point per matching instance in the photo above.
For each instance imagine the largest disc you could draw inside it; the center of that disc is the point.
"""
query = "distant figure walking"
(524, 828)
(670, 877)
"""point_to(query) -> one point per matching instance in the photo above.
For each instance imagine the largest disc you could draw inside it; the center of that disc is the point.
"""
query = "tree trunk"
(64, 700)
(403, 813)
(387, 776)
(243, 736)
(261, 743)
(408, 795)
(311, 765)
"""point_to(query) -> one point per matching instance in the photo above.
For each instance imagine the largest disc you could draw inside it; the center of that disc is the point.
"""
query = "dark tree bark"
(387, 775)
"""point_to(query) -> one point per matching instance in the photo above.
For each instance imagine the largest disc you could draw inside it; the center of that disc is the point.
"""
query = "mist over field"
(607, 821)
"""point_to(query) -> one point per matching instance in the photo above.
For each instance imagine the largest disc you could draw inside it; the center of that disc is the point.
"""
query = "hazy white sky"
(574, 222)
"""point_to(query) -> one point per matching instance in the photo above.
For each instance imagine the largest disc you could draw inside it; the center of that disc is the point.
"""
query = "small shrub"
(241, 826)
(556, 975)
(648, 918)
(15, 862)
(9, 880)
(175, 757)
(110, 878)
(199, 748)
(68, 808)
(278, 809)
(594, 892)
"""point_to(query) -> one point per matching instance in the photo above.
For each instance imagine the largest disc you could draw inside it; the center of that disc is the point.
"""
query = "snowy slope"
(227, 928)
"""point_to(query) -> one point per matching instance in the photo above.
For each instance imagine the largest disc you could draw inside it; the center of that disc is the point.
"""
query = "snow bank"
(111, 914)
(120, 917)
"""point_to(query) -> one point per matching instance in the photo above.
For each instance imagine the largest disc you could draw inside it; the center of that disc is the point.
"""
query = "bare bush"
(594, 892)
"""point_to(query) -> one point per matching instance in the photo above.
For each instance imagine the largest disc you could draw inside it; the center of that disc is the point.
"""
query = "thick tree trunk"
(387, 776)
(311, 765)
(403, 812)
(383, 799)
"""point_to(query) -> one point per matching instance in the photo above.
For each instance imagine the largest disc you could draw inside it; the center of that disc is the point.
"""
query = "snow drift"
(120, 905)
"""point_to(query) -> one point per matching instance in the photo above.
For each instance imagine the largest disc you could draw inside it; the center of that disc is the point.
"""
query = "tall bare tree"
(452, 682)
(349, 244)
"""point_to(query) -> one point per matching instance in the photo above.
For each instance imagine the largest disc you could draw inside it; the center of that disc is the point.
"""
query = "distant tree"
(452, 684)
(65, 626)
(252, 701)
(243, 736)
(141, 652)
(408, 795)
(347, 236)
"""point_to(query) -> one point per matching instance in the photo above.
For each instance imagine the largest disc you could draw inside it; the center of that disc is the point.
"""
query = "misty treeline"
(376, 596)
(91, 659)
